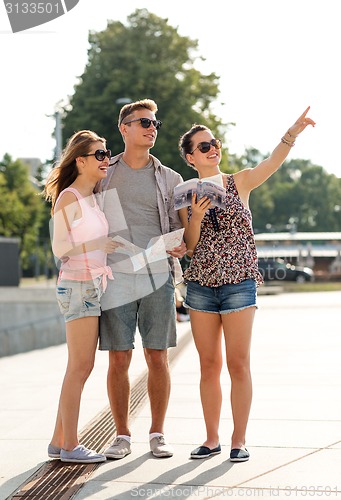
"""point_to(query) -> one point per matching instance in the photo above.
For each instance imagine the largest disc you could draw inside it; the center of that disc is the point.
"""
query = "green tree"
(318, 194)
(21, 207)
(145, 58)
(299, 195)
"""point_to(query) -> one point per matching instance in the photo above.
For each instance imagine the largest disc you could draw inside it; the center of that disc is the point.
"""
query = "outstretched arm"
(250, 178)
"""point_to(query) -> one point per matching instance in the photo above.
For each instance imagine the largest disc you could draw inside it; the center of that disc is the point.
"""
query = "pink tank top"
(93, 224)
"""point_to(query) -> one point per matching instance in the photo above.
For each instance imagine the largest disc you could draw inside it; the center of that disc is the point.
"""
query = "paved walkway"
(294, 434)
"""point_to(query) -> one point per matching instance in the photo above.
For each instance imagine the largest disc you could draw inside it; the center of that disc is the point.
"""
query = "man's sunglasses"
(205, 146)
(146, 122)
(100, 154)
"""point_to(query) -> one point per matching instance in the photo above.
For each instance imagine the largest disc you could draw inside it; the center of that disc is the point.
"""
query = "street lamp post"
(57, 115)
(58, 134)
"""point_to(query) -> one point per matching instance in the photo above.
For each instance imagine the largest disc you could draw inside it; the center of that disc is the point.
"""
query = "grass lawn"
(287, 286)
(316, 286)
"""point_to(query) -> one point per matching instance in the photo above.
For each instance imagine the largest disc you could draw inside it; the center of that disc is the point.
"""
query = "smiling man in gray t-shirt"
(137, 198)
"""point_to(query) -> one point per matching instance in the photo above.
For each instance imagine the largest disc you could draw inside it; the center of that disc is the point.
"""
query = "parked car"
(278, 269)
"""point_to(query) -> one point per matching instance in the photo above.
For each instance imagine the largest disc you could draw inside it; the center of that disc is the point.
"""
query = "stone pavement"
(294, 433)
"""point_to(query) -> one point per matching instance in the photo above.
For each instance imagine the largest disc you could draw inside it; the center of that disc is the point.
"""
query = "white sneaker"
(160, 448)
(119, 449)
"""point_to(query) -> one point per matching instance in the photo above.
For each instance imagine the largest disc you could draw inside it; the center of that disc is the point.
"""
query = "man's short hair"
(129, 108)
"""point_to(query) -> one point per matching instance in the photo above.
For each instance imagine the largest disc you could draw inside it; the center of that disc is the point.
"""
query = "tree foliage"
(145, 58)
(21, 207)
(299, 196)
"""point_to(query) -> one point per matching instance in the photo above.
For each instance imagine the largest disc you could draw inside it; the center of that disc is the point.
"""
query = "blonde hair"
(66, 171)
(129, 108)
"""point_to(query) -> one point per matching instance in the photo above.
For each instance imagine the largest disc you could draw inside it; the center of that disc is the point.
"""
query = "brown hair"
(186, 144)
(128, 109)
(66, 171)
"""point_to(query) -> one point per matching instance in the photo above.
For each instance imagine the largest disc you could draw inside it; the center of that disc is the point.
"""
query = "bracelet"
(290, 144)
(290, 135)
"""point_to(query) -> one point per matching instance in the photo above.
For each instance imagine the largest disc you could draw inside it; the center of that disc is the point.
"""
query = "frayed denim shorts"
(79, 299)
(221, 299)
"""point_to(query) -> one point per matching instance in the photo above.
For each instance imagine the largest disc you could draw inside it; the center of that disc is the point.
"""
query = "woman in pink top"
(81, 242)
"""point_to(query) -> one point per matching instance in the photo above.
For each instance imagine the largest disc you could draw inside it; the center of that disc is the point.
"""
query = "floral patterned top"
(229, 255)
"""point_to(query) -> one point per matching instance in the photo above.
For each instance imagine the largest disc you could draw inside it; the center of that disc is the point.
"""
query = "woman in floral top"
(222, 279)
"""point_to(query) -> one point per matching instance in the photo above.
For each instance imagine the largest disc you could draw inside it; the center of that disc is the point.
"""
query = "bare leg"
(237, 330)
(118, 386)
(206, 328)
(158, 386)
(82, 338)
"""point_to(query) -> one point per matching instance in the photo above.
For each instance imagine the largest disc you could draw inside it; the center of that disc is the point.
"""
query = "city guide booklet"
(213, 189)
(156, 249)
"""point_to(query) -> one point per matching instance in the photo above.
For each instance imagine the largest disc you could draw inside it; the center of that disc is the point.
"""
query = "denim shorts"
(154, 315)
(79, 299)
(221, 299)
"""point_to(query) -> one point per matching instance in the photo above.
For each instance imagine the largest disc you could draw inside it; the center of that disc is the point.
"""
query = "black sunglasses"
(146, 122)
(205, 146)
(100, 154)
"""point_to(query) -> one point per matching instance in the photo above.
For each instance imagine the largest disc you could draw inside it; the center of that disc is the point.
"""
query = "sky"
(274, 59)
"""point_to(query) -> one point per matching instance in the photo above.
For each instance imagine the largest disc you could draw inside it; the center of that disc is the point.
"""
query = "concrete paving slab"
(296, 403)
(29, 400)
(313, 473)
(127, 491)
(261, 433)
(180, 469)
(184, 477)
(293, 435)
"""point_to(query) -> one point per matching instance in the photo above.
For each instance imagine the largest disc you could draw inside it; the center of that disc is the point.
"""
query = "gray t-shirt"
(136, 189)
(135, 192)
(150, 198)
